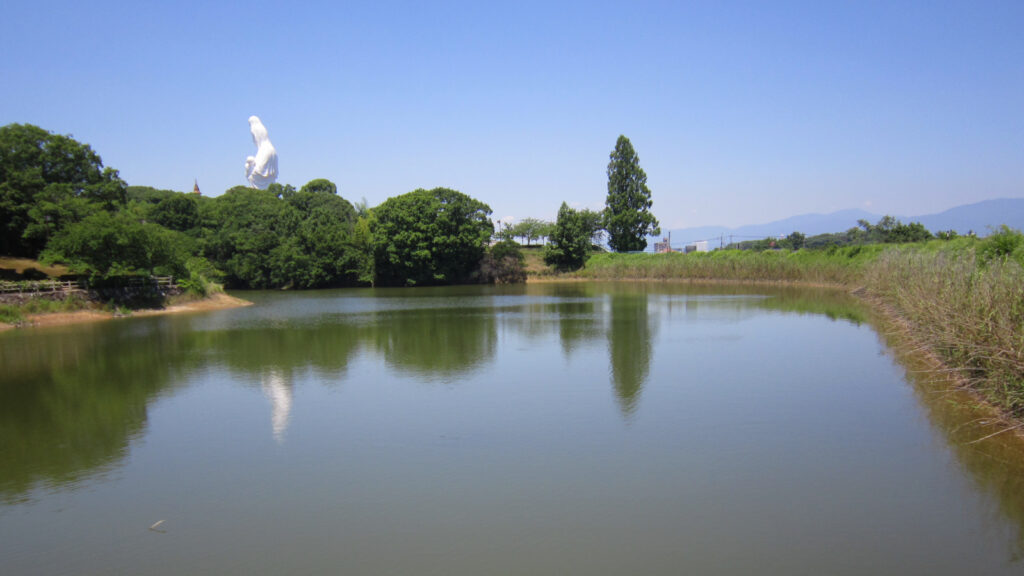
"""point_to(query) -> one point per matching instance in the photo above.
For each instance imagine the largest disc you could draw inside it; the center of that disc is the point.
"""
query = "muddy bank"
(214, 302)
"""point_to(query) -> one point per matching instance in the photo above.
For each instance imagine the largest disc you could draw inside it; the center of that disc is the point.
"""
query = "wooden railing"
(38, 286)
(68, 286)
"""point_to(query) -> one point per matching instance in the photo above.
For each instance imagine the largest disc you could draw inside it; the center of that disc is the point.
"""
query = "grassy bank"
(963, 299)
(839, 267)
(17, 314)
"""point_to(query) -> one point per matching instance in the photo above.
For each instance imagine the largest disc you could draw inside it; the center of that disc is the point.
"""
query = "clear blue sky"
(741, 112)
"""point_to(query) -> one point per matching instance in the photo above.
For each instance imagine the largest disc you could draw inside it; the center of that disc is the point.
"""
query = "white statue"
(261, 169)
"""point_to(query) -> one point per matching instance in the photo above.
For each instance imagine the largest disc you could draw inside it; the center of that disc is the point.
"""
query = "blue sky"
(741, 112)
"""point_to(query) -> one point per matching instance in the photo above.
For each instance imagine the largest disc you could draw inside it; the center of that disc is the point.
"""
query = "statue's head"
(259, 131)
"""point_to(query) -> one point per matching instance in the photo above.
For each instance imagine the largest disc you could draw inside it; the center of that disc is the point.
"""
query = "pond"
(564, 428)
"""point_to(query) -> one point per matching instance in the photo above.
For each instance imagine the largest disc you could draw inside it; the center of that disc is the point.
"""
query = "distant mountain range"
(979, 218)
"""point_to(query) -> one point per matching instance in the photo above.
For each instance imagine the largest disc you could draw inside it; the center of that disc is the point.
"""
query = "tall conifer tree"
(627, 216)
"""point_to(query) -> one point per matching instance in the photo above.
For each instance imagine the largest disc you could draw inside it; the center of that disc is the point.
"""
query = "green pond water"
(556, 429)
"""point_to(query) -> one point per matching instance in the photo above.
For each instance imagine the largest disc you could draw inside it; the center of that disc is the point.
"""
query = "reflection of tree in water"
(435, 341)
(630, 348)
(326, 347)
(578, 323)
(69, 407)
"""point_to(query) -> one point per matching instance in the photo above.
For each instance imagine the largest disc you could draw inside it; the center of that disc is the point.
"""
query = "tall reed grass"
(969, 313)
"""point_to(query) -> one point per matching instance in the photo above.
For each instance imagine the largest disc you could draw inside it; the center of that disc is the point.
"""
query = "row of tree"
(888, 230)
(58, 203)
(627, 219)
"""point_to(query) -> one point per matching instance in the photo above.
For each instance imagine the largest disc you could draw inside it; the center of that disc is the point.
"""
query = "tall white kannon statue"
(261, 169)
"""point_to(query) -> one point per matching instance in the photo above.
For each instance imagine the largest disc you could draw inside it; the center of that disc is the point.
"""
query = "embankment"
(91, 312)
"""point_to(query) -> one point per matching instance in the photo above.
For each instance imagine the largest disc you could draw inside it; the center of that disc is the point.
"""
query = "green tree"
(320, 185)
(572, 238)
(250, 234)
(148, 194)
(429, 237)
(108, 244)
(47, 182)
(503, 264)
(913, 232)
(530, 229)
(283, 238)
(795, 241)
(324, 236)
(889, 230)
(361, 245)
(177, 212)
(627, 216)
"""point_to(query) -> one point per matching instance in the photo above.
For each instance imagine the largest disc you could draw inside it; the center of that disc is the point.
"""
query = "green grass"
(17, 313)
(839, 267)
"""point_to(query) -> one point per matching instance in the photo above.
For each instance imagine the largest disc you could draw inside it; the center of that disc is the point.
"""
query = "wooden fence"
(39, 286)
(70, 286)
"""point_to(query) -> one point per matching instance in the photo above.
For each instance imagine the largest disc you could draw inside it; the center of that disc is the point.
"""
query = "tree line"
(888, 230)
(58, 203)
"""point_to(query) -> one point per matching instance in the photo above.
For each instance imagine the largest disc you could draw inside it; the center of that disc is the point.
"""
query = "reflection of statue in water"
(261, 169)
(279, 392)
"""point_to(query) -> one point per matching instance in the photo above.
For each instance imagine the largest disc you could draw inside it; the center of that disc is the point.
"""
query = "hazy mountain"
(979, 217)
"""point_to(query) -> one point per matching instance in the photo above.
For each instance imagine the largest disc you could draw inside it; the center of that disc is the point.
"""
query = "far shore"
(215, 302)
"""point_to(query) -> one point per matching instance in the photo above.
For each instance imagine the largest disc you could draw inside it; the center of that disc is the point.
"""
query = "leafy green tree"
(913, 232)
(795, 241)
(503, 264)
(627, 216)
(889, 230)
(283, 238)
(592, 221)
(47, 182)
(572, 237)
(530, 229)
(320, 185)
(361, 245)
(324, 236)
(177, 212)
(429, 237)
(148, 194)
(108, 244)
(250, 235)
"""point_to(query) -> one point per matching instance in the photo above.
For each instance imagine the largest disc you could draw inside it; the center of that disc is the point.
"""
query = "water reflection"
(629, 347)
(994, 461)
(279, 392)
(73, 401)
(435, 343)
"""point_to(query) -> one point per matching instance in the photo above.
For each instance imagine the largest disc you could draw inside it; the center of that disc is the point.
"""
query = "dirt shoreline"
(215, 302)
